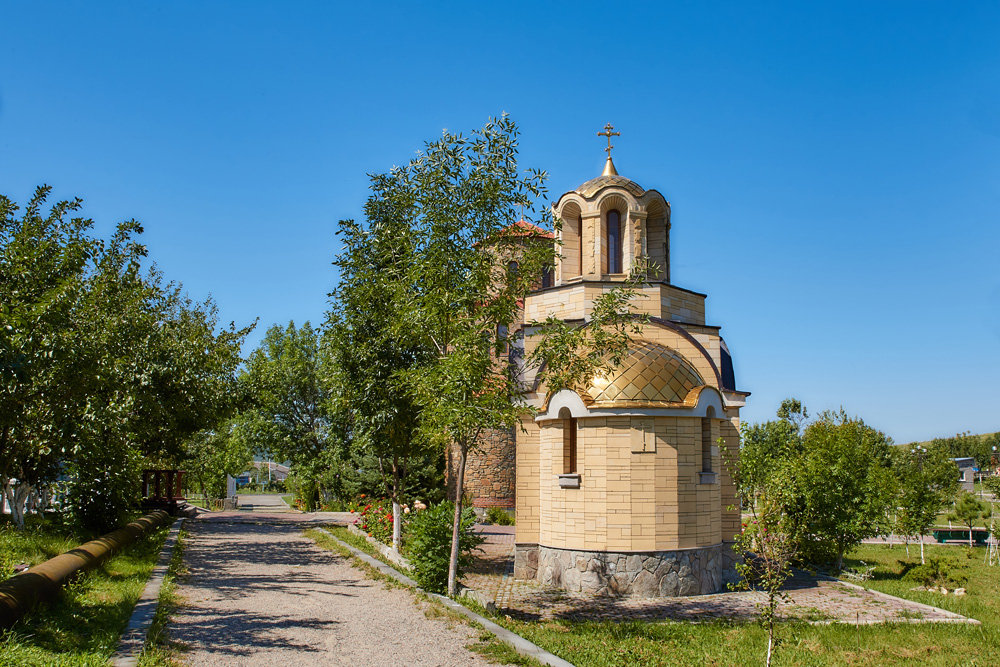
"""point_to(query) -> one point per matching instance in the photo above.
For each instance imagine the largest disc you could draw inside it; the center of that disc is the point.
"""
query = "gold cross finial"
(608, 133)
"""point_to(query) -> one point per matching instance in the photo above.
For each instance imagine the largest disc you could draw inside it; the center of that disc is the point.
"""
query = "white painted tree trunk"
(397, 525)
(921, 549)
(21, 492)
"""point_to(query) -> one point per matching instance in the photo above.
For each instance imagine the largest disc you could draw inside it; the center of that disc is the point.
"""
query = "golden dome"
(650, 373)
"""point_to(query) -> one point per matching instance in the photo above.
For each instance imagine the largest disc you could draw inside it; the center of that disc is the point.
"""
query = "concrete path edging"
(515, 641)
(953, 617)
(384, 549)
(133, 639)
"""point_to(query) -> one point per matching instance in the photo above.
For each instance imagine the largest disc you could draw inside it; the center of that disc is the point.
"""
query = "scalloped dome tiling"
(650, 373)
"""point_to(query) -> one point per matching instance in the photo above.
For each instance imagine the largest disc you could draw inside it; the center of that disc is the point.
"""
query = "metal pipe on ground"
(42, 582)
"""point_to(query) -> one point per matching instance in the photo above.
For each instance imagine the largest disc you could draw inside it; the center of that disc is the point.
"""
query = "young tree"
(926, 480)
(455, 205)
(842, 484)
(768, 542)
(969, 511)
(370, 351)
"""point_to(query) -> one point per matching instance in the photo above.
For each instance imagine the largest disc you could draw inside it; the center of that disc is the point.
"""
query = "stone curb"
(954, 617)
(385, 550)
(515, 641)
(133, 639)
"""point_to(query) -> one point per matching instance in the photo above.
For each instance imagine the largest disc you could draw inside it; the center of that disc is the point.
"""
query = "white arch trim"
(570, 400)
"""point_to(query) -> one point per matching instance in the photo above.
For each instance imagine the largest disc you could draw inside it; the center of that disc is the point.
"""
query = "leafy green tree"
(369, 351)
(793, 412)
(102, 365)
(212, 455)
(969, 511)
(843, 486)
(458, 199)
(43, 258)
(764, 448)
(451, 209)
(287, 414)
(835, 479)
(926, 480)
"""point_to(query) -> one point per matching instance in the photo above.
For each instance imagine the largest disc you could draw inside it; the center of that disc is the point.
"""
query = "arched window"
(569, 442)
(546, 276)
(706, 440)
(614, 241)
(512, 268)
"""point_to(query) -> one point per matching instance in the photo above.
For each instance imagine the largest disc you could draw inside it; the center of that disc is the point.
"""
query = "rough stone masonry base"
(646, 574)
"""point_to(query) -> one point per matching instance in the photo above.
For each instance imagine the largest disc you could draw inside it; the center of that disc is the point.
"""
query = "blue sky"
(834, 169)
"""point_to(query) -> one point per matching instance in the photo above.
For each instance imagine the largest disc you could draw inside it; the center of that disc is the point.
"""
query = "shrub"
(936, 572)
(499, 516)
(429, 544)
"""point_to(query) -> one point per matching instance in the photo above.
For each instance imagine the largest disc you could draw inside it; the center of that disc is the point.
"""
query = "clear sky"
(833, 168)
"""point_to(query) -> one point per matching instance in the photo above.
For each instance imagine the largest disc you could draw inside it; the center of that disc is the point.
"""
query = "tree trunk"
(21, 492)
(397, 514)
(970, 535)
(921, 549)
(456, 526)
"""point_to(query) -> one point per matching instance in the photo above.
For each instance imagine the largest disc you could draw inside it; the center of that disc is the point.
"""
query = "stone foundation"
(647, 574)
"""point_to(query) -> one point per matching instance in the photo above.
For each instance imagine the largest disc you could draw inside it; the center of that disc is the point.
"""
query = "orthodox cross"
(608, 133)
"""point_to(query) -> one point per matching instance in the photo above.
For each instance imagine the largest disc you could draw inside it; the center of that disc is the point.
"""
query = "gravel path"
(264, 594)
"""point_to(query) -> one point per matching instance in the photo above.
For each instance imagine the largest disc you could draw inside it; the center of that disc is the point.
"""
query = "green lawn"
(83, 626)
(728, 643)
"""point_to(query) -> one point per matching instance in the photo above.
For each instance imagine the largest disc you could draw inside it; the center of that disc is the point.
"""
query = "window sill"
(708, 477)
(570, 481)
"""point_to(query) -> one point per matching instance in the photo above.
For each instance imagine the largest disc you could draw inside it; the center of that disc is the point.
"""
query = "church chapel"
(620, 487)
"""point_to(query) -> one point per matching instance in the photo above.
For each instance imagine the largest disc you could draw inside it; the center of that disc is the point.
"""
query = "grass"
(159, 650)
(731, 643)
(83, 626)
(38, 542)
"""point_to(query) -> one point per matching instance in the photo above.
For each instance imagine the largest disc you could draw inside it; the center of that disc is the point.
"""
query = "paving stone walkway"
(258, 592)
(811, 598)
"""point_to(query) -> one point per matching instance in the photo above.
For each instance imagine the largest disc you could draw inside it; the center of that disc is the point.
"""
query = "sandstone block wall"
(489, 471)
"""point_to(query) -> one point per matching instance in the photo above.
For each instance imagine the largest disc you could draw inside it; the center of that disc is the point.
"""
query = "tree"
(453, 208)
(101, 363)
(43, 258)
(768, 543)
(926, 480)
(969, 511)
(287, 412)
(458, 198)
(214, 454)
(842, 486)
(793, 412)
(370, 352)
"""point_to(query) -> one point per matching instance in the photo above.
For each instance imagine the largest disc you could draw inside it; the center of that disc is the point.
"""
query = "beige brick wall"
(575, 301)
(527, 483)
(628, 500)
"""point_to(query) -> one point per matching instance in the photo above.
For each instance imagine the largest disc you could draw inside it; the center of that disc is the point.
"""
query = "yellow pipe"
(23, 591)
